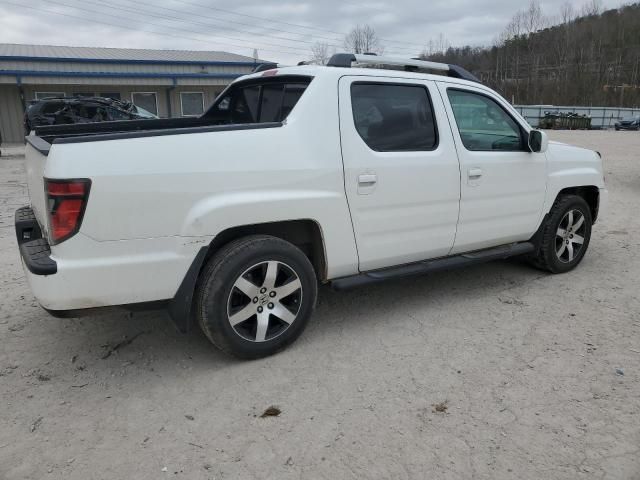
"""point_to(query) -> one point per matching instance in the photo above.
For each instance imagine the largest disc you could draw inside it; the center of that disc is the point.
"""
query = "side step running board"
(428, 266)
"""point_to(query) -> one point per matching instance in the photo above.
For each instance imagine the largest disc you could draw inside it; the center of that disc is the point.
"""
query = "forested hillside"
(592, 59)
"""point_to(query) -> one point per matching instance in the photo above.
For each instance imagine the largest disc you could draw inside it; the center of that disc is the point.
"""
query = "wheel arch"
(305, 234)
(591, 195)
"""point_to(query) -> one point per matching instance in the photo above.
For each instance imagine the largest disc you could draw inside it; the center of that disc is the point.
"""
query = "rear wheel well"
(304, 234)
(591, 195)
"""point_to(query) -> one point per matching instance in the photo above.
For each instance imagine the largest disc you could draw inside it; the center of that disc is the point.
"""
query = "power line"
(258, 18)
(255, 18)
(91, 20)
(287, 23)
(290, 50)
(163, 17)
(120, 7)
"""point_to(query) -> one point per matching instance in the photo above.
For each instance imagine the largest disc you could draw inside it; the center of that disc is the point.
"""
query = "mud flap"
(180, 306)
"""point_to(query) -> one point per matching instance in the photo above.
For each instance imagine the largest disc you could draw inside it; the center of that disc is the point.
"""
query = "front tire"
(255, 296)
(565, 235)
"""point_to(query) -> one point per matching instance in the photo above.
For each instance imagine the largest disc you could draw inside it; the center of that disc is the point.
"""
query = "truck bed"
(45, 136)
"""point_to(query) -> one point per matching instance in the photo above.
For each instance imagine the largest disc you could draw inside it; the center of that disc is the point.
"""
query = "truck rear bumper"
(34, 250)
(82, 273)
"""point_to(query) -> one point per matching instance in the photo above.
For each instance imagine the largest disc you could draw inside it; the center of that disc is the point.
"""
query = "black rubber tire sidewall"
(217, 281)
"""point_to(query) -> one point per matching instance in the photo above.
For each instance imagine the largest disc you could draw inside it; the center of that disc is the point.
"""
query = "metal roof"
(116, 55)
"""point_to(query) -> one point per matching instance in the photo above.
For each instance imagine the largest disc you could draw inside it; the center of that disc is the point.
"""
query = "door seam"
(455, 146)
(344, 176)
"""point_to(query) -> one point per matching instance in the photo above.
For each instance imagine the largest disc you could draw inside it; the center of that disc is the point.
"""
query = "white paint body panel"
(412, 210)
(155, 201)
(503, 205)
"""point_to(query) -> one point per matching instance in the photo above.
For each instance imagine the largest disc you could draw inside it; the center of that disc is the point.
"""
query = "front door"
(503, 183)
(402, 177)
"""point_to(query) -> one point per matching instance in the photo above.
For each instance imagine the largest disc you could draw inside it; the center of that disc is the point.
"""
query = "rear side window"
(271, 104)
(257, 103)
(245, 108)
(394, 118)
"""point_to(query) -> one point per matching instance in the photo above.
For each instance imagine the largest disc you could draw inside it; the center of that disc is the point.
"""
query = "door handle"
(367, 183)
(475, 173)
(474, 176)
(367, 180)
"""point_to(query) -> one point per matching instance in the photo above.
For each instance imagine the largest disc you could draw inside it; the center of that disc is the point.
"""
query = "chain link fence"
(601, 117)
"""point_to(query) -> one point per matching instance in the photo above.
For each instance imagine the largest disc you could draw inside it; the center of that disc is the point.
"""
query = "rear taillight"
(66, 201)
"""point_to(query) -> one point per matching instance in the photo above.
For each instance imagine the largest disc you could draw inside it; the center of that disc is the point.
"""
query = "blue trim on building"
(23, 58)
(49, 73)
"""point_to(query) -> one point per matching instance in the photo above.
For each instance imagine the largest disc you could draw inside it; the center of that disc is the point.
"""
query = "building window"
(84, 94)
(191, 104)
(114, 95)
(41, 95)
(146, 100)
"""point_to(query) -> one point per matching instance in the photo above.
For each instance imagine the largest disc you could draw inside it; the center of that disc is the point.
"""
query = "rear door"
(503, 183)
(402, 177)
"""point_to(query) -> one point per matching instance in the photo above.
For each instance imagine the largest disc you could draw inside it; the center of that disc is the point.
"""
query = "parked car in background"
(628, 124)
(70, 110)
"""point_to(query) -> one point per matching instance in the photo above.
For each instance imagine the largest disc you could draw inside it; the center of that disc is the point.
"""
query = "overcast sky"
(281, 31)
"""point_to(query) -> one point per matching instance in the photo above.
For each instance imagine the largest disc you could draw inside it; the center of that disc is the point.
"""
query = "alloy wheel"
(264, 301)
(570, 236)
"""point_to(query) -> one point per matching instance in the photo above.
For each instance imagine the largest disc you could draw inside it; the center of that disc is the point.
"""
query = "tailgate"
(36, 152)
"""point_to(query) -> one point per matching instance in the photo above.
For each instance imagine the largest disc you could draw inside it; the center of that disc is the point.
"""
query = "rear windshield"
(265, 100)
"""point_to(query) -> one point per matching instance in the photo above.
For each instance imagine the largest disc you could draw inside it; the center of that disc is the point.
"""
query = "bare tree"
(320, 53)
(515, 27)
(363, 39)
(567, 13)
(581, 58)
(533, 18)
(438, 46)
(592, 8)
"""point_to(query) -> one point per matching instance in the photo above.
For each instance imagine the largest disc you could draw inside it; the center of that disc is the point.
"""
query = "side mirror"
(538, 141)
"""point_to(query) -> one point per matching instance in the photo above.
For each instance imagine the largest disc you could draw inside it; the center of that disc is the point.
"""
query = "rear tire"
(565, 235)
(255, 296)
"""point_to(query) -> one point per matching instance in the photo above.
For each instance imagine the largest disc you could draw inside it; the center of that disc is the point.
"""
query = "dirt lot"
(497, 371)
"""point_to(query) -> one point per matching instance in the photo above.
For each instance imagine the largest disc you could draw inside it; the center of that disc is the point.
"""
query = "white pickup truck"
(364, 170)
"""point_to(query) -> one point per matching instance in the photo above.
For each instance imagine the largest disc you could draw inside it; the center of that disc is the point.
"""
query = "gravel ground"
(497, 371)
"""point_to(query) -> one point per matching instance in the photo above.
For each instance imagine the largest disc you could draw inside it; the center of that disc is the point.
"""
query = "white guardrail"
(601, 117)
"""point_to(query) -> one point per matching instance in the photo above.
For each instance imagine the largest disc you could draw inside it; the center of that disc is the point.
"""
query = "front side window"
(394, 118)
(483, 124)
(146, 100)
(115, 114)
(192, 103)
(87, 113)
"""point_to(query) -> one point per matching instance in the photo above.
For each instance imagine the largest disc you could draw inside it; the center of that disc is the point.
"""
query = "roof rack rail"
(345, 60)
